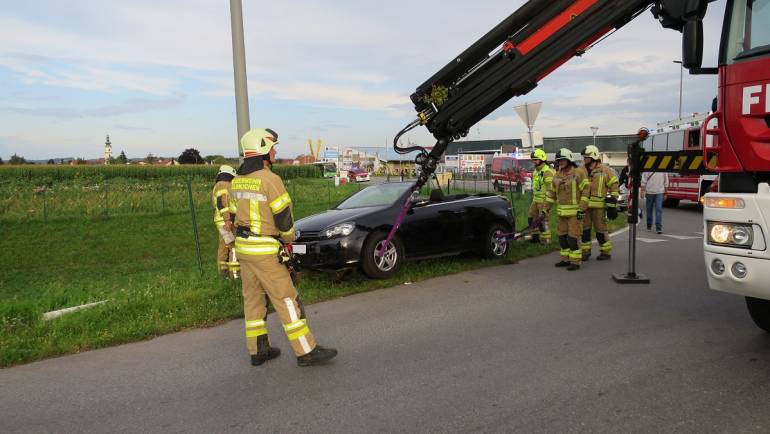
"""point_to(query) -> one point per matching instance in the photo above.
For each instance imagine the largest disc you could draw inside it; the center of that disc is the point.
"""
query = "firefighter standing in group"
(585, 239)
(263, 221)
(603, 193)
(542, 182)
(224, 215)
(570, 193)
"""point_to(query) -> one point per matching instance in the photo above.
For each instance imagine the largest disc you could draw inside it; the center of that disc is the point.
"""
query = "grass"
(146, 266)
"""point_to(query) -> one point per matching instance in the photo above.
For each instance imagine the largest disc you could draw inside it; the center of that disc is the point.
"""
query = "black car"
(350, 234)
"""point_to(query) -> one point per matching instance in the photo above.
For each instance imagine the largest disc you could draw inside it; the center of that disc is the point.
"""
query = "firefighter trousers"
(223, 255)
(264, 276)
(543, 230)
(569, 230)
(596, 218)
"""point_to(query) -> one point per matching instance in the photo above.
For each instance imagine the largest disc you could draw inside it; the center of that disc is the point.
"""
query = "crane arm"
(523, 49)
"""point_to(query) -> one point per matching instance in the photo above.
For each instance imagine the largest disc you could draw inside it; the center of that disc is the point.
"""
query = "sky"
(157, 75)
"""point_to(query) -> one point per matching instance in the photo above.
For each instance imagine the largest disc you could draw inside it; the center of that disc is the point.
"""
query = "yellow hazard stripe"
(665, 161)
(696, 163)
(280, 203)
(650, 162)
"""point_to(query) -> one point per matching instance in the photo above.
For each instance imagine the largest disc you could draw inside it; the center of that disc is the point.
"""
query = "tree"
(191, 156)
(150, 159)
(51, 161)
(219, 160)
(15, 159)
(1, 160)
(213, 158)
(121, 158)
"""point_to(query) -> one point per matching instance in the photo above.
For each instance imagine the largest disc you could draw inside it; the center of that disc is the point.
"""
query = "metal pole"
(45, 206)
(681, 79)
(635, 157)
(195, 225)
(106, 201)
(239, 70)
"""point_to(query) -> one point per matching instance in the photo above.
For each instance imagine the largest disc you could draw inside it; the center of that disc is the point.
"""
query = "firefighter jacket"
(263, 213)
(569, 192)
(602, 181)
(542, 182)
(220, 199)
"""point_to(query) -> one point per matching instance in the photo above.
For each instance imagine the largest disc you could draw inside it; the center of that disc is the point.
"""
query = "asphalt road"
(518, 348)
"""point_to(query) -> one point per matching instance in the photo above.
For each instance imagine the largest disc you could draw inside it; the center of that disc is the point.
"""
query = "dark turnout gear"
(318, 356)
(265, 352)
(569, 193)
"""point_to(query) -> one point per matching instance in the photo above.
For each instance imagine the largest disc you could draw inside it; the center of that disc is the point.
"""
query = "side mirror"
(692, 44)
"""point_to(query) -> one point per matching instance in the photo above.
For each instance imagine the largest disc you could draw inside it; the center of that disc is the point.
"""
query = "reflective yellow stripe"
(584, 199)
(248, 250)
(254, 241)
(255, 222)
(280, 203)
(606, 247)
(255, 323)
(287, 234)
(219, 193)
(613, 180)
(255, 333)
(600, 186)
(295, 325)
(298, 334)
(583, 184)
(574, 193)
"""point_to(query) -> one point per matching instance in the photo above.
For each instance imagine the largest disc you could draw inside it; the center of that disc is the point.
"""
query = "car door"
(432, 229)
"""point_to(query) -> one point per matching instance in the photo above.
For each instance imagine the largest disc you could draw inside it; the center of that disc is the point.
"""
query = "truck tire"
(494, 247)
(375, 267)
(759, 310)
(671, 203)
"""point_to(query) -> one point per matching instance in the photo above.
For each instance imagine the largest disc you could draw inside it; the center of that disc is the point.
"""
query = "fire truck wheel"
(760, 312)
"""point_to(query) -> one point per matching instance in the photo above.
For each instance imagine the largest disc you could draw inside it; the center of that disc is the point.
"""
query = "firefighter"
(263, 221)
(570, 193)
(223, 220)
(603, 193)
(542, 181)
(585, 239)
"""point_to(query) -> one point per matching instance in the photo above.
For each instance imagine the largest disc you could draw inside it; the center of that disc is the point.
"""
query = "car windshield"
(376, 195)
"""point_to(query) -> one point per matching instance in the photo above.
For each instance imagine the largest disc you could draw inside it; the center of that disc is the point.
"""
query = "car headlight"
(731, 235)
(340, 230)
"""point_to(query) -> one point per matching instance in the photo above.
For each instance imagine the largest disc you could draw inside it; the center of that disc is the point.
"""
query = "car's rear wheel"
(378, 266)
(495, 245)
(759, 310)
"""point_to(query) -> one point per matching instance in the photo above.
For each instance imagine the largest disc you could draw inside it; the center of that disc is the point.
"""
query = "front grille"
(308, 235)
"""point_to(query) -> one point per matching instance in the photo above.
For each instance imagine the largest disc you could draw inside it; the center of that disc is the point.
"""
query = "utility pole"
(239, 70)
(681, 78)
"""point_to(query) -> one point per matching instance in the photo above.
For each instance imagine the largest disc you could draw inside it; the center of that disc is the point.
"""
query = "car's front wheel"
(381, 266)
(495, 244)
(759, 310)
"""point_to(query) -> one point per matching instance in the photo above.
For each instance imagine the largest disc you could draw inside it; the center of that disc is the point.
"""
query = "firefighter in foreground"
(224, 215)
(603, 193)
(570, 193)
(542, 182)
(263, 223)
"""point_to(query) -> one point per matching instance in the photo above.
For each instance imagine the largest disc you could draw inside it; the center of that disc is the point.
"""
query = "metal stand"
(635, 157)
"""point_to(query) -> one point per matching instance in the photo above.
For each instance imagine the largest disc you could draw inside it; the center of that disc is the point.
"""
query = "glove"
(581, 214)
(544, 213)
(612, 207)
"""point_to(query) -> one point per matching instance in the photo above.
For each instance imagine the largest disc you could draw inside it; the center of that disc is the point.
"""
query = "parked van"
(509, 170)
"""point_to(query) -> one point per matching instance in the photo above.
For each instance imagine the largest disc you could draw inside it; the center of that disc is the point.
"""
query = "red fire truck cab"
(510, 170)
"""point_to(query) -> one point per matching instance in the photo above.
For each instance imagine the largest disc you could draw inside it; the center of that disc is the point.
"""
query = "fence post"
(329, 194)
(45, 206)
(195, 225)
(163, 196)
(106, 200)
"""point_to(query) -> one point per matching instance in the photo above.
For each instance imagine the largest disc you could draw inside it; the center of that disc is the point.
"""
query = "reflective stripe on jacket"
(220, 199)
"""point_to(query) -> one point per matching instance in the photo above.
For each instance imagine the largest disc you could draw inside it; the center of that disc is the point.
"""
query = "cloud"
(131, 128)
(136, 105)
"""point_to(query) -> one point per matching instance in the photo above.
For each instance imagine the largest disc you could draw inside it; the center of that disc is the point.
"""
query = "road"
(517, 348)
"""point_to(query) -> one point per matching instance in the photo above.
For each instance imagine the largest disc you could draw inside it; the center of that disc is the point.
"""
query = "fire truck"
(513, 57)
(677, 136)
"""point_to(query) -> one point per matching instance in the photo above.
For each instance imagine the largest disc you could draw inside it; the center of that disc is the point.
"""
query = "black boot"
(561, 264)
(318, 356)
(264, 351)
(604, 257)
(535, 239)
(573, 267)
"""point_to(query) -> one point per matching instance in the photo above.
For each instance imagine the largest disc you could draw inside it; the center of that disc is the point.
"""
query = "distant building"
(107, 150)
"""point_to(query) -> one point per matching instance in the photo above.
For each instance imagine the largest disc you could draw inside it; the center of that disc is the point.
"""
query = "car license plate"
(299, 249)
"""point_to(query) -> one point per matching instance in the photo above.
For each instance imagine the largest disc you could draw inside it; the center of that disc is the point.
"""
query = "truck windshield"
(376, 195)
(748, 32)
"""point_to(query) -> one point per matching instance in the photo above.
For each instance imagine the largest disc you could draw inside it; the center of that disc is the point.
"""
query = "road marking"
(650, 240)
(681, 237)
(621, 231)
(699, 233)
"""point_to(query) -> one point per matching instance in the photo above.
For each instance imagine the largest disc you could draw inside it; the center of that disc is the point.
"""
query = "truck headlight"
(730, 235)
(340, 230)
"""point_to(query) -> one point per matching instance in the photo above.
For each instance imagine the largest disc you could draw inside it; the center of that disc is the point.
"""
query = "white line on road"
(650, 240)
(681, 237)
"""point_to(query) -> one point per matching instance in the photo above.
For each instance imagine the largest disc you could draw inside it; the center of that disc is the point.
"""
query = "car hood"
(332, 217)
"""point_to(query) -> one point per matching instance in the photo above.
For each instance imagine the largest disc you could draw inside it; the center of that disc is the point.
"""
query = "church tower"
(107, 150)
